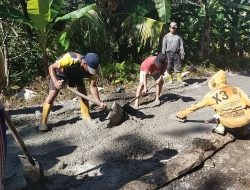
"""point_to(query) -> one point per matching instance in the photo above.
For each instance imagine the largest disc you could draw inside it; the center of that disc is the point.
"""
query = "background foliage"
(216, 33)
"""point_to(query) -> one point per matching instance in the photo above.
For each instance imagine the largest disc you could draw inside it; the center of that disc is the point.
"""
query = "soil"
(76, 156)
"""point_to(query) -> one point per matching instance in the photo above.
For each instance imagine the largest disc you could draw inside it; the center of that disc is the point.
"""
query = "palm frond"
(143, 29)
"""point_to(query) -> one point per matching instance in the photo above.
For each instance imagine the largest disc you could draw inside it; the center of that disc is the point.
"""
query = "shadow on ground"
(120, 166)
(193, 80)
(171, 97)
(179, 132)
(31, 110)
(114, 173)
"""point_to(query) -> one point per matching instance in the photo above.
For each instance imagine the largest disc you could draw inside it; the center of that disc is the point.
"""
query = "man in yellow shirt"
(72, 68)
(231, 104)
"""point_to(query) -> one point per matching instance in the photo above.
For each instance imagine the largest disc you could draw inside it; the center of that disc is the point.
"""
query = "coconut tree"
(133, 25)
(145, 23)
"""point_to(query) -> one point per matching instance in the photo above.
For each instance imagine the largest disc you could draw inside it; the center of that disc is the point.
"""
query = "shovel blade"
(33, 174)
(116, 115)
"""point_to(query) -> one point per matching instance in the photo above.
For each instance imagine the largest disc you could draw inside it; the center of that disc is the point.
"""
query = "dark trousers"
(174, 62)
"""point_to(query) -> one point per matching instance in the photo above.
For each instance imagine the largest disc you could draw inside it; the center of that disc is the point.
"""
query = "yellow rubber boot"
(84, 105)
(170, 78)
(43, 122)
(179, 77)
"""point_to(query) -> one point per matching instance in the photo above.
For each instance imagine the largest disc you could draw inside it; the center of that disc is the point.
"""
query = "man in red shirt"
(154, 66)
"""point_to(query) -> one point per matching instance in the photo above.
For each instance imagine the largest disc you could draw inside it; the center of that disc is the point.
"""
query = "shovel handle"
(83, 96)
(17, 137)
(143, 94)
(215, 117)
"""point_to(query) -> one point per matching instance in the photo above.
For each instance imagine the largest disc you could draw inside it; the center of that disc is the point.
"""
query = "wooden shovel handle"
(143, 94)
(17, 137)
(83, 96)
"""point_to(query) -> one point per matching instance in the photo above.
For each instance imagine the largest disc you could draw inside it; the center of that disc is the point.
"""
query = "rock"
(26, 94)
(181, 164)
(204, 144)
(61, 165)
(209, 163)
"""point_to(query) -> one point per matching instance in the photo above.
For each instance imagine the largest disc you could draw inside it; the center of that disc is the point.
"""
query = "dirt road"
(76, 156)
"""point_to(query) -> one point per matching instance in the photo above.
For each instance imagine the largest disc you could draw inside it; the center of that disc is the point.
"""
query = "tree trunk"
(205, 38)
(6, 63)
(5, 53)
(25, 13)
(2, 69)
(45, 56)
(234, 38)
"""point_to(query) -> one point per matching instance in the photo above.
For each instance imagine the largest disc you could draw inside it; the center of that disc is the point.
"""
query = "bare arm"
(94, 91)
(183, 114)
(182, 52)
(164, 45)
(52, 73)
(145, 78)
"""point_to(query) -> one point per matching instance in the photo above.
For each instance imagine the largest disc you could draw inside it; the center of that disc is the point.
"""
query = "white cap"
(173, 24)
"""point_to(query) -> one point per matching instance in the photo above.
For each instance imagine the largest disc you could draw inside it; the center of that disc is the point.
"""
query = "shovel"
(214, 118)
(115, 116)
(127, 106)
(33, 171)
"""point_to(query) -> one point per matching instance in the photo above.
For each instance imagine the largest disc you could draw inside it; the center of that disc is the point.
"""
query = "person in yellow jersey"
(231, 104)
(72, 68)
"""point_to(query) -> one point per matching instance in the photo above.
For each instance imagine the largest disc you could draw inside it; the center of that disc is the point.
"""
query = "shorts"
(72, 82)
(155, 76)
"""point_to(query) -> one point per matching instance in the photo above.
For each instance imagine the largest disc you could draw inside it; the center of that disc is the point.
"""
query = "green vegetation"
(34, 33)
(121, 73)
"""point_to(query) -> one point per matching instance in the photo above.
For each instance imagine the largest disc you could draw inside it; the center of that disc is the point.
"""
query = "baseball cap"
(92, 60)
(160, 60)
(173, 24)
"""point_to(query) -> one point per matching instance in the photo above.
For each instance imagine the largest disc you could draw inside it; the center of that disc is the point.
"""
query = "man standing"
(72, 68)
(172, 46)
(154, 66)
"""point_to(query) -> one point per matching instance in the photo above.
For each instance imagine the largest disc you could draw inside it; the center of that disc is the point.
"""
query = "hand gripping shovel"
(127, 107)
(115, 115)
(33, 171)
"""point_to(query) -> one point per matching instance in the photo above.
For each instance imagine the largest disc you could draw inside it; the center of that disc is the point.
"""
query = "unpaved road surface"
(77, 157)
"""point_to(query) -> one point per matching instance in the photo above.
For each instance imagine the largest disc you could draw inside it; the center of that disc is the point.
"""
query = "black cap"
(160, 60)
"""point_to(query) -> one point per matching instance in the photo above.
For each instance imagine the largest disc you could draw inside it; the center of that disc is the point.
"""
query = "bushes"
(231, 62)
(120, 73)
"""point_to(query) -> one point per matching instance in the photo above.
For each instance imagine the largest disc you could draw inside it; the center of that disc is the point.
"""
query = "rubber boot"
(84, 105)
(219, 129)
(170, 78)
(179, 78)
(43, 122)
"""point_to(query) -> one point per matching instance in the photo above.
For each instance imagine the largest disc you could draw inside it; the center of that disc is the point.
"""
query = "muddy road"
(76, 156)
